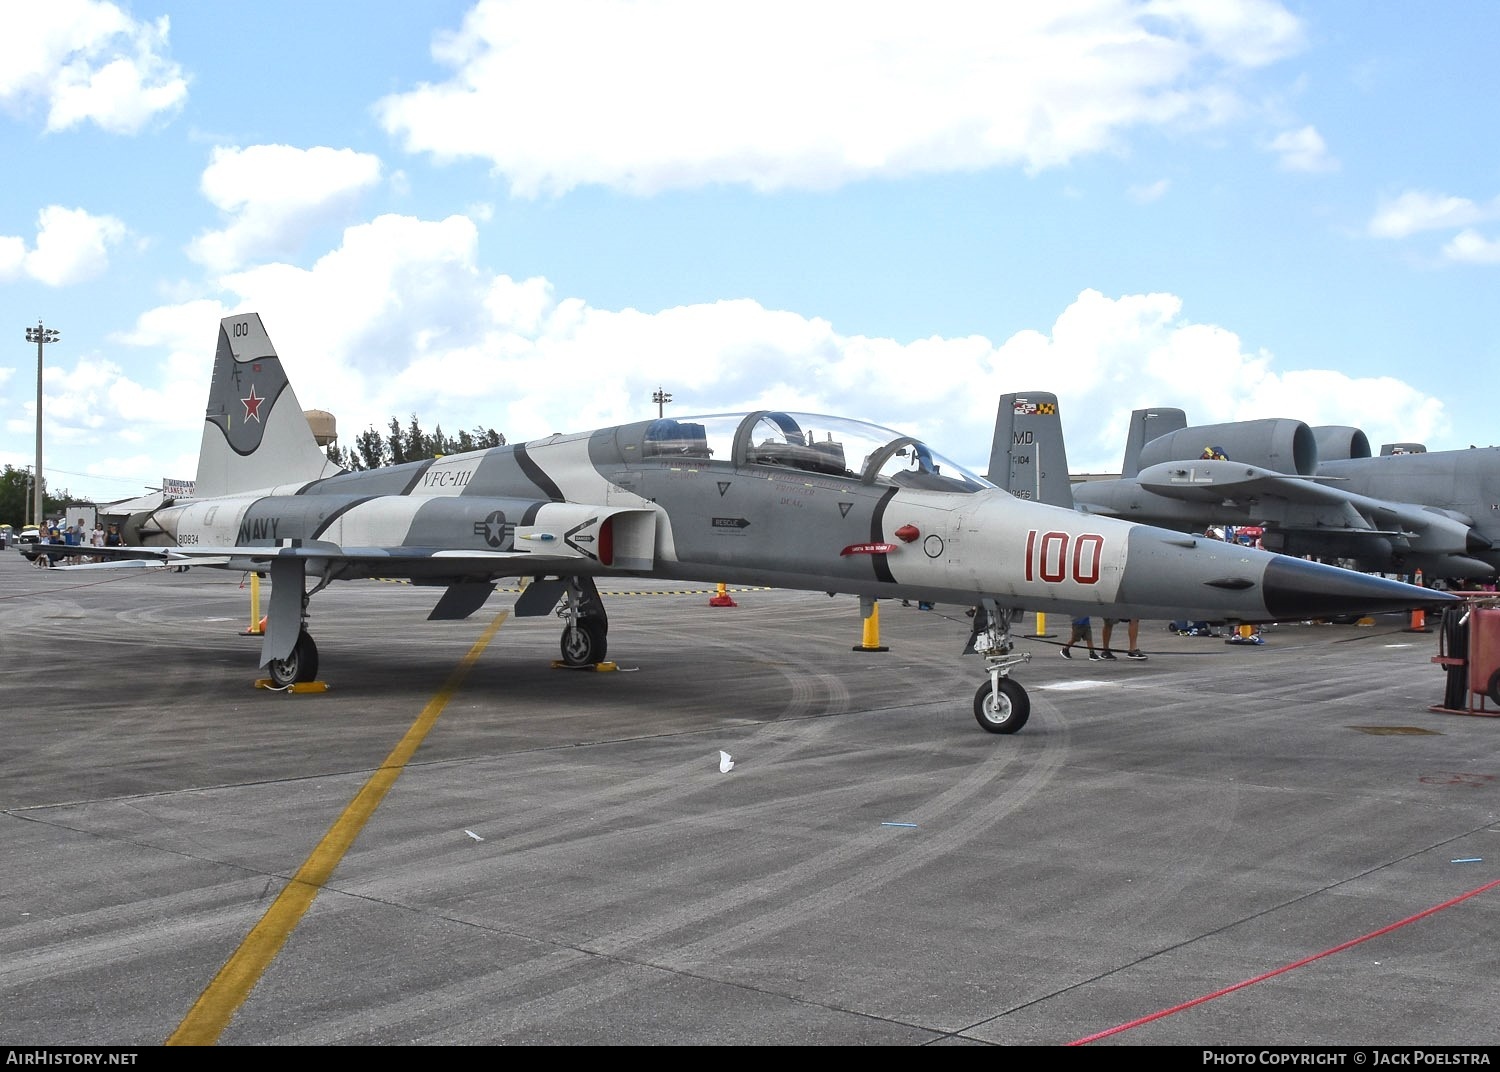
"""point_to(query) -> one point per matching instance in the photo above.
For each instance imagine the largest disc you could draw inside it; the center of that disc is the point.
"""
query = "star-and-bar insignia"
(493, 529)
(252, 405)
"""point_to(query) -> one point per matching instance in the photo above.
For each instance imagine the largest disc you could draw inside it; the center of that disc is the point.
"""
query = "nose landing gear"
(1001, 704)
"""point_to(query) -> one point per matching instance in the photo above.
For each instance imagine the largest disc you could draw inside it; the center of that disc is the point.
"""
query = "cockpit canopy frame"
(837, 447)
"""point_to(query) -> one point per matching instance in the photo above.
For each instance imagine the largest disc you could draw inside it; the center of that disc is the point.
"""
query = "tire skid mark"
(866, 861)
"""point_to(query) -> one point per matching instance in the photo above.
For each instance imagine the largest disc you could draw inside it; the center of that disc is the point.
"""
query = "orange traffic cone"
(723, 598)
(1418, 617)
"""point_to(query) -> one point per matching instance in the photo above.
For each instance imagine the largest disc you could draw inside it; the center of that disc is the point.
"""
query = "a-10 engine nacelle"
(1339, 442)
(1279, 444)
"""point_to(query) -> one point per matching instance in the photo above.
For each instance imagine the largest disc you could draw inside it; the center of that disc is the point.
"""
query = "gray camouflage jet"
(770, 498)
(1313, 491)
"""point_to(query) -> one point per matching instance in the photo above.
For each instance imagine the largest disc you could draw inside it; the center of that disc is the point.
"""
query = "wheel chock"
(296, 686)
(598, 668)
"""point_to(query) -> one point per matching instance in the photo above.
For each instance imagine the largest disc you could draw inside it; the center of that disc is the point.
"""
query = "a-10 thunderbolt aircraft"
(770, 498)
(1313, 490)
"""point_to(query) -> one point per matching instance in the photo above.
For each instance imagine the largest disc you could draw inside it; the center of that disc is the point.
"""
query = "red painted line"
(1286, 968)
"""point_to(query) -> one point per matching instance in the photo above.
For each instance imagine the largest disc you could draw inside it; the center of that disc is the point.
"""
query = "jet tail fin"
(1028, 457)
(1146, 425)
(255, 434)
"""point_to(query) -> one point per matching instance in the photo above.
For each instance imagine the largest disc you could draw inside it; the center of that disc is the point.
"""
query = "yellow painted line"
(223, 996)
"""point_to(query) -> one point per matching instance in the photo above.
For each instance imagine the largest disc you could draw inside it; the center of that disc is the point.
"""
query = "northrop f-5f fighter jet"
(779, 499)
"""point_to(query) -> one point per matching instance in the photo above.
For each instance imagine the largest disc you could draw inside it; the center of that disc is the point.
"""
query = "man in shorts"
(1083, 630)
(1132, 630)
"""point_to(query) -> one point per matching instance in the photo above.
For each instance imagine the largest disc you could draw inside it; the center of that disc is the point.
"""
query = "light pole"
(661, 398)
(41, 336)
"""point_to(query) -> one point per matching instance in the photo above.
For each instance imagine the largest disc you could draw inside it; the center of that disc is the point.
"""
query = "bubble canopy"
(811, 443)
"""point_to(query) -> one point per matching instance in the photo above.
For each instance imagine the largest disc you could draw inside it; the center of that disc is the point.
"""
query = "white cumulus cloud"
(1303, 150)
(274, 195)
(1471, 247)
(1418, 210)
(72, 245)
(422, 329)
(87, 61)
(672, 94)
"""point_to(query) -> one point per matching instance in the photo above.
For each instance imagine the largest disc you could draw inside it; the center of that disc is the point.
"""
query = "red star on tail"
(252, 405)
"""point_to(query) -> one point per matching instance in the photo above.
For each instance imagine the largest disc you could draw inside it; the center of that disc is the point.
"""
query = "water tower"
(324, 427)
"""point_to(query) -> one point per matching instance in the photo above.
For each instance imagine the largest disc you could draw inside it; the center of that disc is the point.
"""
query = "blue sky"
(527, 215)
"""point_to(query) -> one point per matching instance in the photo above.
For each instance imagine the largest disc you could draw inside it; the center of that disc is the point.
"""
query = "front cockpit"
(809, 443)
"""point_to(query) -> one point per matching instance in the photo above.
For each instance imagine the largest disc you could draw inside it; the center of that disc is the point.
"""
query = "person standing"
(1132, 633)
(1083, 629)
(78, 536)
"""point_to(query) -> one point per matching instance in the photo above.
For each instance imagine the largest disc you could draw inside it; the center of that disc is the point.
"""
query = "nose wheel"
(585, 634)
(583, 642)
(1001, 706)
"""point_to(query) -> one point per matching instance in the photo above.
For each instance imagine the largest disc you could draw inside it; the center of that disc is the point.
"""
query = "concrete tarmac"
(459, 844)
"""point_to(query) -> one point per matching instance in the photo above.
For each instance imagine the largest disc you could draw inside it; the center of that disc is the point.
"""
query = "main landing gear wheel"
(1002, 710)
(583, 643)
(300, 665)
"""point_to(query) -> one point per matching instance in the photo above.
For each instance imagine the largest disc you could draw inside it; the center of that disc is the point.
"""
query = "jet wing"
(393, 562)
(1281, 500)
(114, 557)
(1219, 481)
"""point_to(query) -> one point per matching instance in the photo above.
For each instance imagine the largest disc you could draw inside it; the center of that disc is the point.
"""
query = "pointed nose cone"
(1293, 588)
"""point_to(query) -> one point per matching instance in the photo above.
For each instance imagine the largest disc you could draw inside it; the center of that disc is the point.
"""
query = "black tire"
(1002, 712)
(584, 644)
(1493, 692)
(300, 665)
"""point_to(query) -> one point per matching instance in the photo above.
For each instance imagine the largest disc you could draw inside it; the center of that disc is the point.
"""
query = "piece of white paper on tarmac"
(726, 764)
(473, 835)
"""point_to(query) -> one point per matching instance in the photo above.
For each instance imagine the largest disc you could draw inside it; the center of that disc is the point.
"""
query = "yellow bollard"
(256, 628)
(872, 629)
(1041, 627)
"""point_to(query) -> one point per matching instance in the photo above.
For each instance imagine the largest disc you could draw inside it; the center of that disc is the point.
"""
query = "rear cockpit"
(809, 443)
